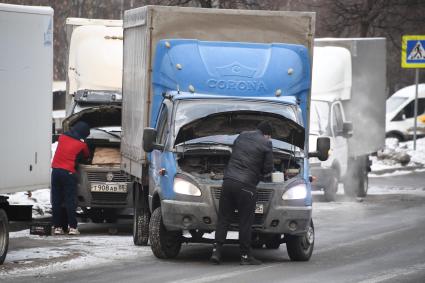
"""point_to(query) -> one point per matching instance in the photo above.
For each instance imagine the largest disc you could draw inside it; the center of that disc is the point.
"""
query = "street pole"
(416, 108)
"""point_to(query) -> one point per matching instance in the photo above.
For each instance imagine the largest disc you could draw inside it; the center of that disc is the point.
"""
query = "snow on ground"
(394, 151)
(60, 253)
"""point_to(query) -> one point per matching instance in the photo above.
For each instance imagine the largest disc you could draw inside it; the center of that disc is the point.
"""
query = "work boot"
(216, 254)
(249, 260)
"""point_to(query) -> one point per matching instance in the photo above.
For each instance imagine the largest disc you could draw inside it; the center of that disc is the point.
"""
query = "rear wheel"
(4, 235)
(356, 181)
(300, 248)
(164, 244)
(141, 218)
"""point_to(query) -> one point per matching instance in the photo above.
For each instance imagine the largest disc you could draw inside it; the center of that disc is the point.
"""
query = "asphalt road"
(378, 239)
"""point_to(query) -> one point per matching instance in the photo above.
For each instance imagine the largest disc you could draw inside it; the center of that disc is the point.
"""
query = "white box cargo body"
(366, 105)
(26, 74)
(145, 26)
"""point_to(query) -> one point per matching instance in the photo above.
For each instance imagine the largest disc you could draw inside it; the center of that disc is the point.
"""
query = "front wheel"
(4, 235)
(273, 242)
(331, 189)
(300, 248)
(164, 244)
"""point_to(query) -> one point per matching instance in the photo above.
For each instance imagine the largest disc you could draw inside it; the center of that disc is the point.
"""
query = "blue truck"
(189, 89)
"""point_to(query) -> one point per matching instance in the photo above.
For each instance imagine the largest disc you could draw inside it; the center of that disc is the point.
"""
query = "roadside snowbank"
(399, 155)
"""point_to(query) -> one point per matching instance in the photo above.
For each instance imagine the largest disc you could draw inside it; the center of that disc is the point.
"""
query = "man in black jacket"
(252, 158)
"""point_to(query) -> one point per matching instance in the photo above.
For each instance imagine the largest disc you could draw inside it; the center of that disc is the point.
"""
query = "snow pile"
(399, 155)
(40, 200)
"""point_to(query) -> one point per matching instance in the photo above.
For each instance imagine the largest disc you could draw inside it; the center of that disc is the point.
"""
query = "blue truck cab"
(205, 94)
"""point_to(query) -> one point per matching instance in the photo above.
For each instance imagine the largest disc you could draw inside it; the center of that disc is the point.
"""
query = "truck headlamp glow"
(184, 187)
(296, 192)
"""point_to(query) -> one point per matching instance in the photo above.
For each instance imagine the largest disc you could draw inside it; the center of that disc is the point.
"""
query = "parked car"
(400, 113)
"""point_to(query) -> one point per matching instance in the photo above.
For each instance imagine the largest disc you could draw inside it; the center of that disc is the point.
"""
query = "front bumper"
(88, 174)
(278, 217)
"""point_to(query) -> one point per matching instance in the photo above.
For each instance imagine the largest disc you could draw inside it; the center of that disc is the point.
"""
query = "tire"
(357, 182)
(364, 183)
(331, 189)
(395, 135)
(273, 242)
(4, 235)
(300, 248)
(164, 244)
(141, 219)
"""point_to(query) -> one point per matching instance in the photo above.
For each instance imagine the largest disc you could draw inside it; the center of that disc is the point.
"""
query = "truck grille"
(263, 195)
(100, 176)
(109, 198)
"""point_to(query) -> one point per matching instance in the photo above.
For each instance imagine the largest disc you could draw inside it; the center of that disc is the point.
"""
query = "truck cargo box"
(26, 74)
(366, 106)
(145, 26)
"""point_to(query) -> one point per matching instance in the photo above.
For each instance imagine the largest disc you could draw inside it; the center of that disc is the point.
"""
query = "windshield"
(220, 121)
(319, 117)
(187, 111)
(111, 134)
(394, 102)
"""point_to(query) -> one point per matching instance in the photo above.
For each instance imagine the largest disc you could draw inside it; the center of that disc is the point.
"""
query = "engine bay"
(211, 165)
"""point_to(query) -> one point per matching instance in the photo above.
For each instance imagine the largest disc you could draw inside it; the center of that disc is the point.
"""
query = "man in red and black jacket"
(71, 148)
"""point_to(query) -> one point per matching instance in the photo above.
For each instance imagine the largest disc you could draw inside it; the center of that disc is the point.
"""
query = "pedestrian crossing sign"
(413, 51)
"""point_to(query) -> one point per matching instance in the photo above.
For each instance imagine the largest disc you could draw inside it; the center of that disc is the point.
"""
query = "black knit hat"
(81, 130)
(265, 127)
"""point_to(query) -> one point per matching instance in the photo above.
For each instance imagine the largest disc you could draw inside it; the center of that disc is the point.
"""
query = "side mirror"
(347, 129)
(322, 149)
(403, 116)
(149, 138)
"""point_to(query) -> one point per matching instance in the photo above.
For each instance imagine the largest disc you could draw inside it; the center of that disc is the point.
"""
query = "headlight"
(184, 187)
(297, 192)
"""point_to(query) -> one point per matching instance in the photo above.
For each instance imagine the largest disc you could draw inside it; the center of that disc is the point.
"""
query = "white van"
(401, 111)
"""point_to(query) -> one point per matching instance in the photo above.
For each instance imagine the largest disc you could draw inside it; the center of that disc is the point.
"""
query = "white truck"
(348, 105)
(26, 72)
(94, 95)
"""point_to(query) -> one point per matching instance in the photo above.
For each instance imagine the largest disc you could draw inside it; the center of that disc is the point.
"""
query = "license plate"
(109, 188)
(259, 208)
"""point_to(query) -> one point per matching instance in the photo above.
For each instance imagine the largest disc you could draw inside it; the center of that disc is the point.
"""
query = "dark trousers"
(64, 191)
(236, 195)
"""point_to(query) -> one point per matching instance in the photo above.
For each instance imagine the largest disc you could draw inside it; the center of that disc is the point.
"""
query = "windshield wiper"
(105, 131)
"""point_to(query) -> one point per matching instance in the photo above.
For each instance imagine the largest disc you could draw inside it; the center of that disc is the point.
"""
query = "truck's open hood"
(234, 122)
(98, 116)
